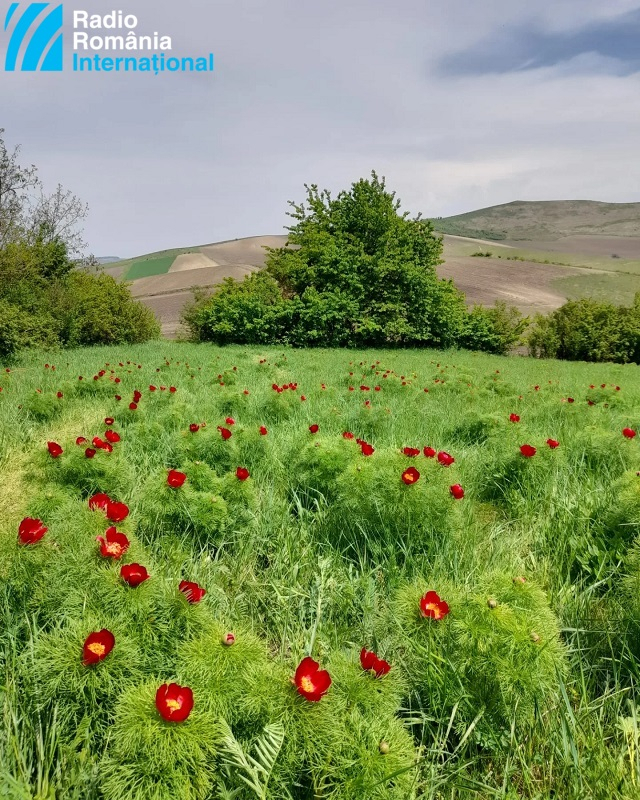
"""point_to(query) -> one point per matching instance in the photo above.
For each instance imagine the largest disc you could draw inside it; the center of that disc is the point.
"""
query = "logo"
(36, 38)
(112, 42)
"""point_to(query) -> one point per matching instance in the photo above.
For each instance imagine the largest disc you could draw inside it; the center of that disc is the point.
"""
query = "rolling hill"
(545, 220)
(535, 255)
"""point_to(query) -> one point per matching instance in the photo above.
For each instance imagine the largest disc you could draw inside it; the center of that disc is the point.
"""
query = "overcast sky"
(460, 104)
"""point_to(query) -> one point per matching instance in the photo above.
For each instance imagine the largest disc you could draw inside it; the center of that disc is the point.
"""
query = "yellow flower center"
(306, 684)
(97, 648)
(434, 608)
(114, 549)
(174, 705)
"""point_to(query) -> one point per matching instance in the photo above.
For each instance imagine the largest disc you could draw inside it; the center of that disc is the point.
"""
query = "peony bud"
(228, 639)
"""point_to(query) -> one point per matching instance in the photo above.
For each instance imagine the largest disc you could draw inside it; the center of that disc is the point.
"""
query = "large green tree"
(360, 253)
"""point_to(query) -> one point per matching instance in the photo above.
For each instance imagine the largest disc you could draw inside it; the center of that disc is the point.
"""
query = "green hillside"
(553, 219)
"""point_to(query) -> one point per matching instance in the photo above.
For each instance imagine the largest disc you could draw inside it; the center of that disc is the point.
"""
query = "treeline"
(46, 300)
(356, 273)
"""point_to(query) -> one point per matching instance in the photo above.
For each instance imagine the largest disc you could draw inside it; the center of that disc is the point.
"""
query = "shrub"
(494, 659)
(493, 330)
(588, 330)
(20, 329)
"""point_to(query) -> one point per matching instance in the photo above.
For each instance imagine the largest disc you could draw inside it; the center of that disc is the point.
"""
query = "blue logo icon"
(40, 31)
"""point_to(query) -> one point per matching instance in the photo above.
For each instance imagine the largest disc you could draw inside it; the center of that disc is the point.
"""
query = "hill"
(536, 255)
(545, 220)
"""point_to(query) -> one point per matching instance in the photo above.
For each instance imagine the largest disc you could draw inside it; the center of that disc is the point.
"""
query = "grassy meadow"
(518, 682)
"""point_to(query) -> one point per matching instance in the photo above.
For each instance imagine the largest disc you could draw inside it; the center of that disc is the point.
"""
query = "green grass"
(151, 264)
(618, 288)
(525, 689)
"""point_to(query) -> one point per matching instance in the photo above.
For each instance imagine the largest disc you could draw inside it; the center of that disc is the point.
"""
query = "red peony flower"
(31, 530)
(457, 491)
(54, 449)
(429, 452)
(97, 647)
(174, 702)
(100, 501)
(133, 406)
(553, 443)
(113, 544)
(514, 418)
(528, 451)
(116, 512)
(137, 396)
(192, 591)
(432, 606)
(263, 431)
(445, 459)
(367, 449)
(89, 452)
(109, 421)
(81, 440)
(348, 435)
(175, 479)
(311, 681)
(59, 395)
(112, 436)
(173, 389)
(570, 400)
(410, 475)
(152, 388)
(194, 427)
(314, 428)
(225, 433)
(230, 421)
(628, 433)
(134, 574)
(242, 473)
(411, 452)
(371, 663)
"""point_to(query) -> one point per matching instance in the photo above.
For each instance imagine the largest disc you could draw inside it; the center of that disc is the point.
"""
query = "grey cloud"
(308, 92)
(525, 47)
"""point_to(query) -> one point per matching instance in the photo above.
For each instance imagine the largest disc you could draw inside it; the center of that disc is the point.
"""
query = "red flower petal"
(113, 544)
(176, 479)
(432, 606)
(54, 449)
(116, 512)
(174, 702)
(310, 681)
(192, 591)
(97, 647)
(134, 574)
(31, 530)
(410, 476)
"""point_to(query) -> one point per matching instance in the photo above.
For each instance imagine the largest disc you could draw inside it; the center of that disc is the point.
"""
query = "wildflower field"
(254, 573)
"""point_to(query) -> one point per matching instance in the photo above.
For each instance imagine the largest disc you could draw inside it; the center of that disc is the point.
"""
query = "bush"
(587, 330)
(360, 273)
(45, 302)
(20, 329)
(96, 309)
(493, 330)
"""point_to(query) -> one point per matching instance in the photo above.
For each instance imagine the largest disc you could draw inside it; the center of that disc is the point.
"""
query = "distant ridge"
(544, 220)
